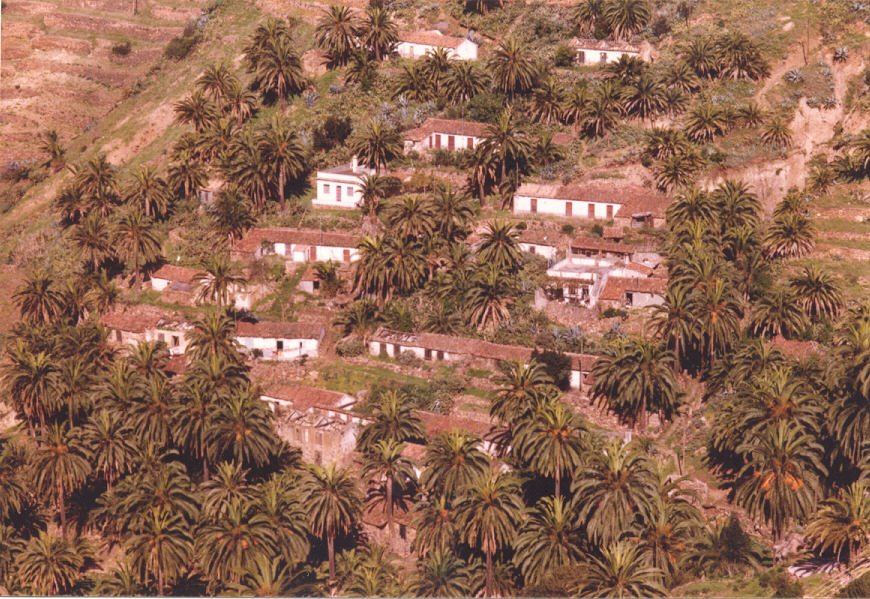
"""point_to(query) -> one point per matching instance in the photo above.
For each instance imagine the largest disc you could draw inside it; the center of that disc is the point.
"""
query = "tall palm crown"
(453, 462)
(621, 571)
(499, 246)
(626, 17)
(391, 477)
(219, 278)
(162, 548)
(487, 517)
(272, 58)
(280, 146)
(508, 145)
(548, 540)
(336, 34)
(512, 69)
(377, 144)
(379, 32)
(61, 467)
(463, 81)
(136, 241)
(842, 523)
(392, 419)
(50, 565)
(150, 193)
(818, 292)
(334, 504)
(38, 299)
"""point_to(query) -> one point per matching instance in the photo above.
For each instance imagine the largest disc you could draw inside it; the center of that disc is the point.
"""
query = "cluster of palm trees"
(358, 42)
(617, 18)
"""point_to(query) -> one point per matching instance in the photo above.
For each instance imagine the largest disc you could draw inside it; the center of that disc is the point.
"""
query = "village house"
(298, 246)
(340, 186)
(320, 422)
(583, 275)
(540, 242)
(632, 292)
(280, 340)
(437, 347)
(444, 134)
(417, 44)
(132, 324)
(178, 284)
(624, 205)
(592, 51)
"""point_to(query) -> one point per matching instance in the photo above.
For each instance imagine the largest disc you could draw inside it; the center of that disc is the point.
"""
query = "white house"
(444, 134)
(180, 283)
(583, 276)
(625, 205)
(539, 242)
(297, 246)
(280, 340)
(632, 292)
(416, 44)
(437, 347)
(131, 324)
(340, 186)
(592, 51)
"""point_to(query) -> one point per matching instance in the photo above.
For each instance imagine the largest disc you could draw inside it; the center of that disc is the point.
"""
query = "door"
(437, 141)
(533, 205)
(569, 208)
(470, 143)
(312, 254)
(581, 56)
(590, 211)
(427, 354)
(383, 348)
(609, 211)
(346, 255)
(451, 142)
(338, 193)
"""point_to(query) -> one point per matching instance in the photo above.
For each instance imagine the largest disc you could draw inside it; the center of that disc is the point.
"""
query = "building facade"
(444, 134)
(340, 186)
(417, 44)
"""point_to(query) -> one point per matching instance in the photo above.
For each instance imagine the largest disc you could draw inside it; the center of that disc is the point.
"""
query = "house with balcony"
(444, 134)
(340, 186)
(417, 44)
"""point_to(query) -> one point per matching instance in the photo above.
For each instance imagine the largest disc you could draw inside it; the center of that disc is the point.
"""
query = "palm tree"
(587, 15)
(740, 57)
(487, 517)
(232, 543)
(91, 240)
(704, 122)
(391, 476)
(282, 507)
(602, 108)
(50, 565)
(724, 548)
(777, 134)
(499, 246)
(463, 81)
(49, 142)
(272, 59)
(842, 524)
(490, 297)
(336, 34)
(553, 441)
(778, 313)
(548, 540)
(61, 467)
(547, 101)
(362, 69)
(453, 462)
(615, 488)
(508, 145)
(281, 148)
(218, 280)
(333, 503)
(625, 17)
(522, 387)
(379, 32)
(239, 102)
(392, 419)
(817, 292)
(414, 83)
(435, 523)
(267, 577)
(681, 76)
(673, 522)
(186, 174)
(702, 54)
(136, 241)
(637, 378)
(621, 571)
(196, 110)
(442, 574)
(97, 184)
(738, 207)
(247, 167)
(213, 334)
(216, 81)
(150, 193)
(410, 217)
(644, 96)
(790, 235)
(32, 382)
(228, 487)
(15, 488)
(860, 147)
(719, 315)
(512, 69)
(242, 428)
(232, 214)
(109, 446)
(677, 171)
(39, 300)
(674, 321)
(377, 144)
(161, 548)
(779, 482)
(374, 189)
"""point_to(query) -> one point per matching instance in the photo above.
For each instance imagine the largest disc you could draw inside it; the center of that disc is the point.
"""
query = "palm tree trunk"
(281, 187)
(559, 475)
(489, 578)
(330, 548)
(61, 505)
(205, 472)
(390, 531)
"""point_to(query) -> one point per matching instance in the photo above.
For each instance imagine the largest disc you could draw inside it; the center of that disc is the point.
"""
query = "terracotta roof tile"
(254, 239)
(302, 397)
(446, 127)
(274, 329)
(632, 198)
(137, 318)
(539, 236)
(582, 43)
(616, 287)
(430, 38)
(178, 274)
(602, 245)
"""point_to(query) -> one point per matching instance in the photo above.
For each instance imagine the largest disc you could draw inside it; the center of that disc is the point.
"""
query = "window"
(397, 350)
(279, 345)
(532, 250)
(403, 531)
(318, 458)
(427, 354)
(118, 335)
(161, 337)
(382, 350)
(440, 355)
(326, 188)
(610, 211)
(569, 208)
(629, 299)
(451, 142)
(349, 191)
(590, 210)
(437, 141)
(316, 284)
(318, 438)
(603, 57)
(533, 205)
(346, 255)
(470, 143)
(176, 341)
(312, 253)
(338, 193)
(581, 56)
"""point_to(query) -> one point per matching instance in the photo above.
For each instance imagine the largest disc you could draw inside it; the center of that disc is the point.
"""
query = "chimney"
(354, 164)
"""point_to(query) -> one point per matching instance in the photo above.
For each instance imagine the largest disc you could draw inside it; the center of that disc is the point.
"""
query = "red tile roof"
(613, 232)
(180, 274)
(255, 238)
(632, 198)
(441, 423)
(616, 287)
(137, 318)
(582, 43)
(430, 38)
(602, 245)
(446, 127)
(640, 268)
(279, 330)
(302, 397)
(539, 236)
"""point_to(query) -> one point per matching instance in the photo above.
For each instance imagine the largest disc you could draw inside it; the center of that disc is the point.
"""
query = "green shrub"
(613, 313)
(564, 56)
(409, 358)
(860, 587)
(486, 107)
(180, 47)
(332, 131)
(598, 230)
(567, 229)
(782, 583)
(122, 48)
(557, 365)
(350, 348)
